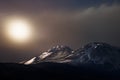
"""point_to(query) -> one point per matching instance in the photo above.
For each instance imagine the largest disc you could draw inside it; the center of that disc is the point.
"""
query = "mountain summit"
(92, 53)
(57, 54)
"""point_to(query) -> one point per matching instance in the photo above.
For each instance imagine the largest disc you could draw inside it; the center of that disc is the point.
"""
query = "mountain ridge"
(91, 53)
(93, 61)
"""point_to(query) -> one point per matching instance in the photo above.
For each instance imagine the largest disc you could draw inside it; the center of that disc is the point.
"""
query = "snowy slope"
(55, 54)
(92, 53)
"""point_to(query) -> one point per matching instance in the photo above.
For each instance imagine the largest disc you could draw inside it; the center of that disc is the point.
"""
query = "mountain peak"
(95, 53)
(59, 48)
(99, 53)
(56, 54)
(97, 44)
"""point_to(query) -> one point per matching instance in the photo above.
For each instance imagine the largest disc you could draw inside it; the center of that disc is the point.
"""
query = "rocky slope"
(92, 53)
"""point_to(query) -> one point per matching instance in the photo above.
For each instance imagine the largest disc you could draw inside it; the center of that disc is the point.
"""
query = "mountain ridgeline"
(95, 60)
(92, 53)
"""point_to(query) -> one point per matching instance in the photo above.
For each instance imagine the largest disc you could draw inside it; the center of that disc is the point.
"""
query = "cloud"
(81, 26)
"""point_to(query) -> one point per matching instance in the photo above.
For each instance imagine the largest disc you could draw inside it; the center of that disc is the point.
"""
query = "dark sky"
(60, 22)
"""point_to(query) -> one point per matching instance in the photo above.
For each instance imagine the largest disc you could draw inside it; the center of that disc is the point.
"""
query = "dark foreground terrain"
(56, 71)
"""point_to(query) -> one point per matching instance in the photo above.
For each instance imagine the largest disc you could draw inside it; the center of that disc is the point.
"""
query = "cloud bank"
(83, 25)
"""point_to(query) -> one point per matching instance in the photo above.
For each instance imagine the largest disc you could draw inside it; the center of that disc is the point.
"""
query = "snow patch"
(30, 61)
(44, 55)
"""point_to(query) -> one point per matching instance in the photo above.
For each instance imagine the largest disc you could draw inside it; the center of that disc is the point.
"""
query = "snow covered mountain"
(98, 53)
(92, 53)
(57, 54)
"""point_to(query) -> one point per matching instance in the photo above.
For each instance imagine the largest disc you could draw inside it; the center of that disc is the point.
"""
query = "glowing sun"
(18, 30)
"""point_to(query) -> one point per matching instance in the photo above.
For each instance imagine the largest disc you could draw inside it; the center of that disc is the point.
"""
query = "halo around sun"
(18, 30)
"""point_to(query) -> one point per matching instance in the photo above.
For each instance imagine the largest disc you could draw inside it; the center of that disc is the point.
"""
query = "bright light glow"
(18, 30)
(30, 61)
